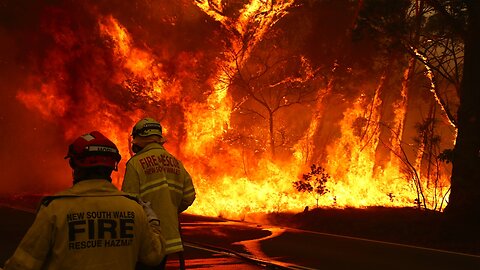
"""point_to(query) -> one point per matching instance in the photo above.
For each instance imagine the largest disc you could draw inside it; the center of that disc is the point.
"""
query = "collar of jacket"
(150, 146)
(92, 187)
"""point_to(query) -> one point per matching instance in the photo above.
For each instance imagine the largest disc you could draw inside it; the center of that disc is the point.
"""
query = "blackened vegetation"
(409, 226)
(22, 201)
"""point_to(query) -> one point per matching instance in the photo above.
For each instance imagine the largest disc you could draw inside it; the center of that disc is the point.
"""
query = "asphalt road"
(16, 222)
(215, 244)
(311, 250)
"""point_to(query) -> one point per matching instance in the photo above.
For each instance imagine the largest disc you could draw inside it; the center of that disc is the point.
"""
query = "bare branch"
(455, 24)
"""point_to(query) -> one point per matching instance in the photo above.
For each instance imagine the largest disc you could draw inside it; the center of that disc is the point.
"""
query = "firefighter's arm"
(35, 245)
(188, 192)
(152, 247)
(131, 180)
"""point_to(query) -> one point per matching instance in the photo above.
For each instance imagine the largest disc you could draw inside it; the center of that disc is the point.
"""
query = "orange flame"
(230, 181)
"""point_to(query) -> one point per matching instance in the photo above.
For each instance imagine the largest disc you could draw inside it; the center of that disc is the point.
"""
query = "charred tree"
(271, 82)
(464, 203)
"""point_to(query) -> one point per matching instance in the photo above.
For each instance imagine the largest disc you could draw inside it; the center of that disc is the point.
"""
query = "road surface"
(312, 250)
(217, 244)
(16, 222)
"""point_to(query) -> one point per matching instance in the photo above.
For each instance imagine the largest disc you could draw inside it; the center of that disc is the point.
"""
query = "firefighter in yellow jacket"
(92, 225)
(156, 176)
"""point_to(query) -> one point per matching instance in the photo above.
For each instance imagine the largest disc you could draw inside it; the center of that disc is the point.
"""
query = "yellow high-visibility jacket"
(91, 226)
(156, 176)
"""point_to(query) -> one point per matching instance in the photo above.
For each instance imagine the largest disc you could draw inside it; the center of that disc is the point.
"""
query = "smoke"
(60, 79)
(32, 149)
(222, 83)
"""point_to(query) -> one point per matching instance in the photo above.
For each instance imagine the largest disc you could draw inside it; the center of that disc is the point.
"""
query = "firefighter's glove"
(151, 216)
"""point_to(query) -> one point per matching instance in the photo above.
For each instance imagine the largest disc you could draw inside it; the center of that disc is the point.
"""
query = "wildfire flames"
(108, 78)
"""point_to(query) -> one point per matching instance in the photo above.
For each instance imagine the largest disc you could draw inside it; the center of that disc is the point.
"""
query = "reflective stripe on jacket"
(92, 225)
(156, 176)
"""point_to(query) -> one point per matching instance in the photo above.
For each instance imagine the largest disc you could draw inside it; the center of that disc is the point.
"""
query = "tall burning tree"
(250, 93)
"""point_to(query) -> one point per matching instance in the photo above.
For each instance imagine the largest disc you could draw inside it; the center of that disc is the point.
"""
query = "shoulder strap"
(133, 198)
(48, 199)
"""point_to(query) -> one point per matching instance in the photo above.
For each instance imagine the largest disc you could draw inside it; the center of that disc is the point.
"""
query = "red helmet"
(93, 150)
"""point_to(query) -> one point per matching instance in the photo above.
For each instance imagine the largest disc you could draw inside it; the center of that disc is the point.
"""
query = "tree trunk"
(272, 135)
(464, 203)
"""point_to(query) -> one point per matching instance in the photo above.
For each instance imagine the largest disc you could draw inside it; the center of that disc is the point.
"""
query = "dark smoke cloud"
(32, 149)
(56, 43)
